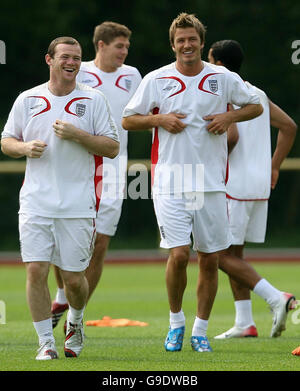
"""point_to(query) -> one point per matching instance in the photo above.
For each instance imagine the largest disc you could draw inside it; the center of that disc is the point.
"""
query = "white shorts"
(247, 221)
(209, 225)
(109, 212)
(67, 243)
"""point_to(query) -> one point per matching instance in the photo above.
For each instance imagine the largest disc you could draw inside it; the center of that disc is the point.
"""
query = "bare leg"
(240, 291)
(94, 271)
(38, 295)
(207, 283)
(58, 277)
(238, 269)
(242, 278)
(76, 288)
(176, 277)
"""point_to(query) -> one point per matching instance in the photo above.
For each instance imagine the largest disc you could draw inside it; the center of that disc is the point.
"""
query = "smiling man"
(189, 99)
(118, 81)
(62, 127)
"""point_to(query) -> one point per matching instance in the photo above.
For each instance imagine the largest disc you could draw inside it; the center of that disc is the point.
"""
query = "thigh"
(211, 225)
(36, 238)
(74, 241)
(256, 230)
(174, 220)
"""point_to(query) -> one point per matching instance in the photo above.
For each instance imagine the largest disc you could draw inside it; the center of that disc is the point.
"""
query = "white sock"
(177, 319)
(243, 313)
(265, 290)
(200, 327)
(60, 296)
(44, 330)
(75, 316)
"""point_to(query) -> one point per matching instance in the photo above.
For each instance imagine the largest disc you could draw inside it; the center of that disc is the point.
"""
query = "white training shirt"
(249, 175)
(118, 87)
(178, 159)
(63, 182)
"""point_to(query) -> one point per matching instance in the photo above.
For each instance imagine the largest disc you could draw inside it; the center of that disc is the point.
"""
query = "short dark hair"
(185, 20)
(57, 41)
(108, 31)
(229, 52)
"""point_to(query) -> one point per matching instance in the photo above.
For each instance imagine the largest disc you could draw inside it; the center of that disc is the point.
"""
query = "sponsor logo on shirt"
(87, 81)
(95, 79)
(181, 83)
(162, 232)
(34, 107)
(46, 101)
(168, 88)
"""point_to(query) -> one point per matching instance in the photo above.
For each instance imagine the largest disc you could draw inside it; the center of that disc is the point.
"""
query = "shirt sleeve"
(104, 124)
(238, 92)
(14, 125)
(138, 80)
(144, 100)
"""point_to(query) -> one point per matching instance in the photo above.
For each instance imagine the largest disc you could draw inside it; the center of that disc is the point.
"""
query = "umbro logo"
(168, 88)
(34, 107)
(162, 231)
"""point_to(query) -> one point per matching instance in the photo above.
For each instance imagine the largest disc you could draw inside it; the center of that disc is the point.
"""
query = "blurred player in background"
(252, 174)
(59, 126)
(189, 99)
(108, 74)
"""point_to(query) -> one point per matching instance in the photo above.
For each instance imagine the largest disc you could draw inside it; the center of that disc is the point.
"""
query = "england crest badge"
(128, 84)
(80, 109)
(213, 85)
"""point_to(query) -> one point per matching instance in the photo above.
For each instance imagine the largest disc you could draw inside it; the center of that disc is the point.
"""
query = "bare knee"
(73, 280)
(208, 262)
(37, 271)
(180, 257)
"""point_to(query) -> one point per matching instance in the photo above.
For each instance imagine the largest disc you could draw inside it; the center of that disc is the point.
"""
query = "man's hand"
(34, 149)
(219, 123)
(64, 130)
(172, 122)
(274, 178)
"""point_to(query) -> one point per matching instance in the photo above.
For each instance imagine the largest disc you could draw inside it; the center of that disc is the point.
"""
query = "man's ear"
(100, 44)
(48, 59)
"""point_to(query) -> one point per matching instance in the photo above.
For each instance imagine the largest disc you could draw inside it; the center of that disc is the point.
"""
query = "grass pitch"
(138, 292)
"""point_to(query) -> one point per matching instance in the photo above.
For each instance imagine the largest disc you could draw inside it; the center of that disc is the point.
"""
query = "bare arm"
(97, 145)
(286, 135)
(17, 149)
(232, 137)
(220, 122)
(170, 122)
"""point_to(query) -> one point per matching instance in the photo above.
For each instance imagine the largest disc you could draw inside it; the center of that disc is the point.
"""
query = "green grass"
(138, 292)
